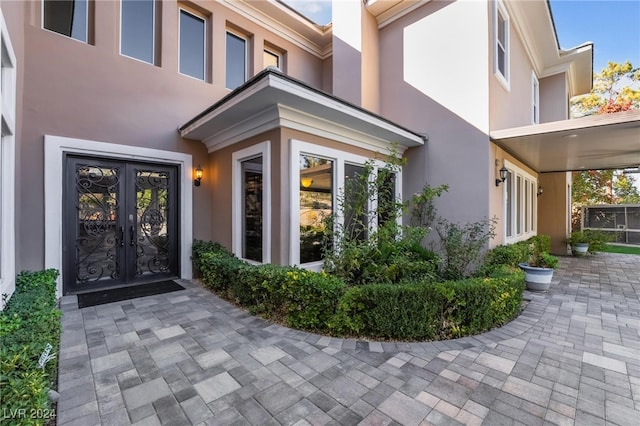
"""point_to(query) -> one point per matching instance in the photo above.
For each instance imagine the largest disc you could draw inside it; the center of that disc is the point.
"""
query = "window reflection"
(252, 217)
(316, 204)
(67, 17)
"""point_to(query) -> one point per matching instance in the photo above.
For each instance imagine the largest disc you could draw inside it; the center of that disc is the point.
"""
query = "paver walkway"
(188, 357)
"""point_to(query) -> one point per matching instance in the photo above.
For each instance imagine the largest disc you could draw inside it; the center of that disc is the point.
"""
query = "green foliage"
(510, 255)
(462, 247)
(430, 311)
(578, 237)
(199, 248)
(359, 252)
(598, 240)
(539, 247)
(29, 321)
(219, 268)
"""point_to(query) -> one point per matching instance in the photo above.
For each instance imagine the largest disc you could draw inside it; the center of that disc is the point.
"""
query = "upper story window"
(236, 60)
(271, 59)
(67, 17)
(535, 99)
(137, 29)
(501, 32)
(192, 45)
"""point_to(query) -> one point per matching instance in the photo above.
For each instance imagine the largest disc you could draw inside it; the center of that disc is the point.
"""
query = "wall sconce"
(306, 182)
(503, 175)
(540, 191)
(198, 175)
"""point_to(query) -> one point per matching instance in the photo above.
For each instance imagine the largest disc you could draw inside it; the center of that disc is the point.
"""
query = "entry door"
(120, 225)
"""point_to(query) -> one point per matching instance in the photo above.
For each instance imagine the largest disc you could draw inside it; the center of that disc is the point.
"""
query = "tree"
(616, 88)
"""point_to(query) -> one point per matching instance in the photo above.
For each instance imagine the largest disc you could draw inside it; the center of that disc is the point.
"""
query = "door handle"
(122, 236)
(133, 235)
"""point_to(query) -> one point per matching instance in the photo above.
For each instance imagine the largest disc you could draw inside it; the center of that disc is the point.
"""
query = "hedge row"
(408, 311)
(29, 321)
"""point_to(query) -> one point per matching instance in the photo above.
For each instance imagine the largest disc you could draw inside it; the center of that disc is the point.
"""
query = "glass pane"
(236, 61)
(501, 61)
(96, 198)
(152, 211)
(271, 59)
(501, 29)
(386, 196)
(526, 205)
(252, 209)
(191, 45)
(509, 201)
(316, 204)
(355, 203)
(518, 205)
(66, 17)
(533, 195)
(137, 29)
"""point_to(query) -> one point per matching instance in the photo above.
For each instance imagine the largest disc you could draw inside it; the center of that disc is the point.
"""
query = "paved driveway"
(188, 357)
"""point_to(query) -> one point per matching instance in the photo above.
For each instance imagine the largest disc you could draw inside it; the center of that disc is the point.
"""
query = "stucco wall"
(554, 211)
(554, 101)
(347, 50)
(90, 91)
(434, 81)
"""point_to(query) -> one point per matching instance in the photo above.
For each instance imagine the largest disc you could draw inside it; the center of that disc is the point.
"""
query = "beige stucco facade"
(419, 74)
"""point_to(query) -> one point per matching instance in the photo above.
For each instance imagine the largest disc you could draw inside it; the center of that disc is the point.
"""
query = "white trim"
(86, 27)
(245, 39)
(529, 186)
(54, 149)
(8, 86)
(339, 158)
(262, 149)
(153, 35)
(204, 40)
(535, 99)
(504, 79)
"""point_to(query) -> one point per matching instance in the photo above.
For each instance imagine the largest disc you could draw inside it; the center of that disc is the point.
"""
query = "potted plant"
(539, 269)
(579, 242)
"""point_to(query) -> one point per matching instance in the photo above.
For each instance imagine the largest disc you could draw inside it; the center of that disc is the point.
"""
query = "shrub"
(29, 321)
(599, 239)
(511, 255)
(423, 310)
(219, 269)
(201, 247)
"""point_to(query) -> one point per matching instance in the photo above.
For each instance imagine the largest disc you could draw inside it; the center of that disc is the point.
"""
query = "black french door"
(120, 224)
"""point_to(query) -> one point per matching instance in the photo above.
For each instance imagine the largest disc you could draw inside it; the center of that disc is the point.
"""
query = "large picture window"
(316, 204)
(520, 191)
(192, 45)
(251, 204)
(67, 17)
(137, 29)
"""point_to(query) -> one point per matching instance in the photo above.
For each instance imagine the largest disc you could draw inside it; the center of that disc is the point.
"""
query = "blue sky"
(613, 25)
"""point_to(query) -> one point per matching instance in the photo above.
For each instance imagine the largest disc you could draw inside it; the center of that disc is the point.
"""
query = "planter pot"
(537, 279)
(579, 249)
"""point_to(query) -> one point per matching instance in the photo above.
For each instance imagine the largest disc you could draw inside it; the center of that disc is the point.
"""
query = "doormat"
(125, 293)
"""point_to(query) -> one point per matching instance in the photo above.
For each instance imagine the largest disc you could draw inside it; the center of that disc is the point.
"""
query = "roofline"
(271, 71)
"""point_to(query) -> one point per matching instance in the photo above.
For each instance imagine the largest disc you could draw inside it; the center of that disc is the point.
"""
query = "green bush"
(219, 268)
(201, 247)
(430, 311)
(599, 239)
(29, 321)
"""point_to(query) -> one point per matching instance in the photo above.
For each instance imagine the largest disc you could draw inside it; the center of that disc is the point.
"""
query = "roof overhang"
(272, 100)
(608, 141)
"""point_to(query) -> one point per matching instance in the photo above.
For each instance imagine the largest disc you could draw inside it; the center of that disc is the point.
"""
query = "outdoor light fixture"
(503, 175)
(306, 182)
(540, 191)
(198, 174)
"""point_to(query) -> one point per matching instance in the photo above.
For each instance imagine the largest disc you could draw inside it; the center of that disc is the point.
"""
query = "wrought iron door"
(120, 224)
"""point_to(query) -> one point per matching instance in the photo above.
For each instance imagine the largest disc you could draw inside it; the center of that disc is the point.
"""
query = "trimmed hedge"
(29, 321)
(416, 310)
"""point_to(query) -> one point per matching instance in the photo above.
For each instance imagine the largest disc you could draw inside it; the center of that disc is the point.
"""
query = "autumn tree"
(616, 88)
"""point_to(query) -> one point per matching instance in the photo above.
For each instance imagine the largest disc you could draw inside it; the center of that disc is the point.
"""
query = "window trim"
(500, 9)
(535, 98)
(86, 28)
(262, 149)
(297, 148)
(153, 35)
(204, 39)
(528, 185)
(8, 110)
(244, 38)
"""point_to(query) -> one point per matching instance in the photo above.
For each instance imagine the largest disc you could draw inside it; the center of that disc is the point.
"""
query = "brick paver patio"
(188, 357)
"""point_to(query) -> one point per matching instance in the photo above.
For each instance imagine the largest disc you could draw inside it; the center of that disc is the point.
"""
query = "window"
(236, 60)
(318, 180)
(67, 17)
(7, 162)
(271, 59)
(251, 204)
(501, 53)
(535, 98)
(520, 204)
(356, 222)
(192, 45)
(137, 29)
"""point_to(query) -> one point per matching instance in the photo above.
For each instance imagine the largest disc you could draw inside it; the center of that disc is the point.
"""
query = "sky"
(612, 25)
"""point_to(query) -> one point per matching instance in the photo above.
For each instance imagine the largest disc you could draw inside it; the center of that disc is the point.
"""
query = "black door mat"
(125, 293)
